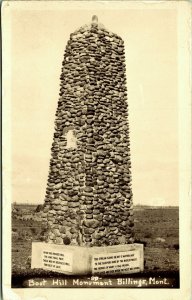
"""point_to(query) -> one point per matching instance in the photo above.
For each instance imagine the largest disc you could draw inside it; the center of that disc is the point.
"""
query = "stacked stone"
(89, 197)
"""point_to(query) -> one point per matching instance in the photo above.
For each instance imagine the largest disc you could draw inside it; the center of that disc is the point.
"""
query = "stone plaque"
(118, 259)
(58, 261)
(117, 262)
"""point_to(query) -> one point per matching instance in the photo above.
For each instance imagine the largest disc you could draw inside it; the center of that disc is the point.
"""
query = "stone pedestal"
(76, 260)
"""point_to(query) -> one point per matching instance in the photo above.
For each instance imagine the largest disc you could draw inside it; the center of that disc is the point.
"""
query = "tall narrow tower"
(89, 196)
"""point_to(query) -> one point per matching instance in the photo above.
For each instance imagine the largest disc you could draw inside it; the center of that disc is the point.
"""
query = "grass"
(156, 228)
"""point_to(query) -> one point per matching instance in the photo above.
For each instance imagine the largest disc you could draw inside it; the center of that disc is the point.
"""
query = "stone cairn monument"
(88, 201)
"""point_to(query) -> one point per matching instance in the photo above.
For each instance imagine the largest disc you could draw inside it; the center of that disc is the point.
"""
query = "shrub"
(141, 242)
(39, 208)
(176, 246)
(148, 235)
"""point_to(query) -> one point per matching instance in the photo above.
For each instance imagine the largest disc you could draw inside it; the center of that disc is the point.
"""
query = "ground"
(156, 228)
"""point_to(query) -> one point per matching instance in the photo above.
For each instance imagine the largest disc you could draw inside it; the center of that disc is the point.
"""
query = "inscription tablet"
(114, 263)
(55, 260)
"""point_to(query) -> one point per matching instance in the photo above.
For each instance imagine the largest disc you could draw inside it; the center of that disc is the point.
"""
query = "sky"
(38, 41)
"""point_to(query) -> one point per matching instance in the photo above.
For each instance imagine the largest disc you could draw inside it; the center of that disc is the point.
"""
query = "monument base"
(77, 260)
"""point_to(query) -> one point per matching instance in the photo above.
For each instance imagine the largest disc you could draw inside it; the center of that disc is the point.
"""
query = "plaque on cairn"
(88, 205)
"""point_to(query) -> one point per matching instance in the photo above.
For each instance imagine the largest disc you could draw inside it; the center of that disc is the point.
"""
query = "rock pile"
(89, 197)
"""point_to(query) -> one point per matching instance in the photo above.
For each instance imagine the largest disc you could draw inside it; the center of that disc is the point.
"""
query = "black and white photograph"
(95, 191)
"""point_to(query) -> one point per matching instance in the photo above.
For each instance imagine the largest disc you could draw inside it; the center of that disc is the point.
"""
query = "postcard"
(96, 149)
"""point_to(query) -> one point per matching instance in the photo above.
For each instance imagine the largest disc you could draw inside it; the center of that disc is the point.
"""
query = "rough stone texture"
(88, 197)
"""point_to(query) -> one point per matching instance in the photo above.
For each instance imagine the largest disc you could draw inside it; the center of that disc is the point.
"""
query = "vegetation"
(157, 229)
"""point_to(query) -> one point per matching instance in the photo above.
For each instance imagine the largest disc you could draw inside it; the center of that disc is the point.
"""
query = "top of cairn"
(93, 25)
(94, 20)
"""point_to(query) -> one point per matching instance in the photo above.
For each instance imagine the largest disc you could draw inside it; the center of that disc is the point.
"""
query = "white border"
(184, 85)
